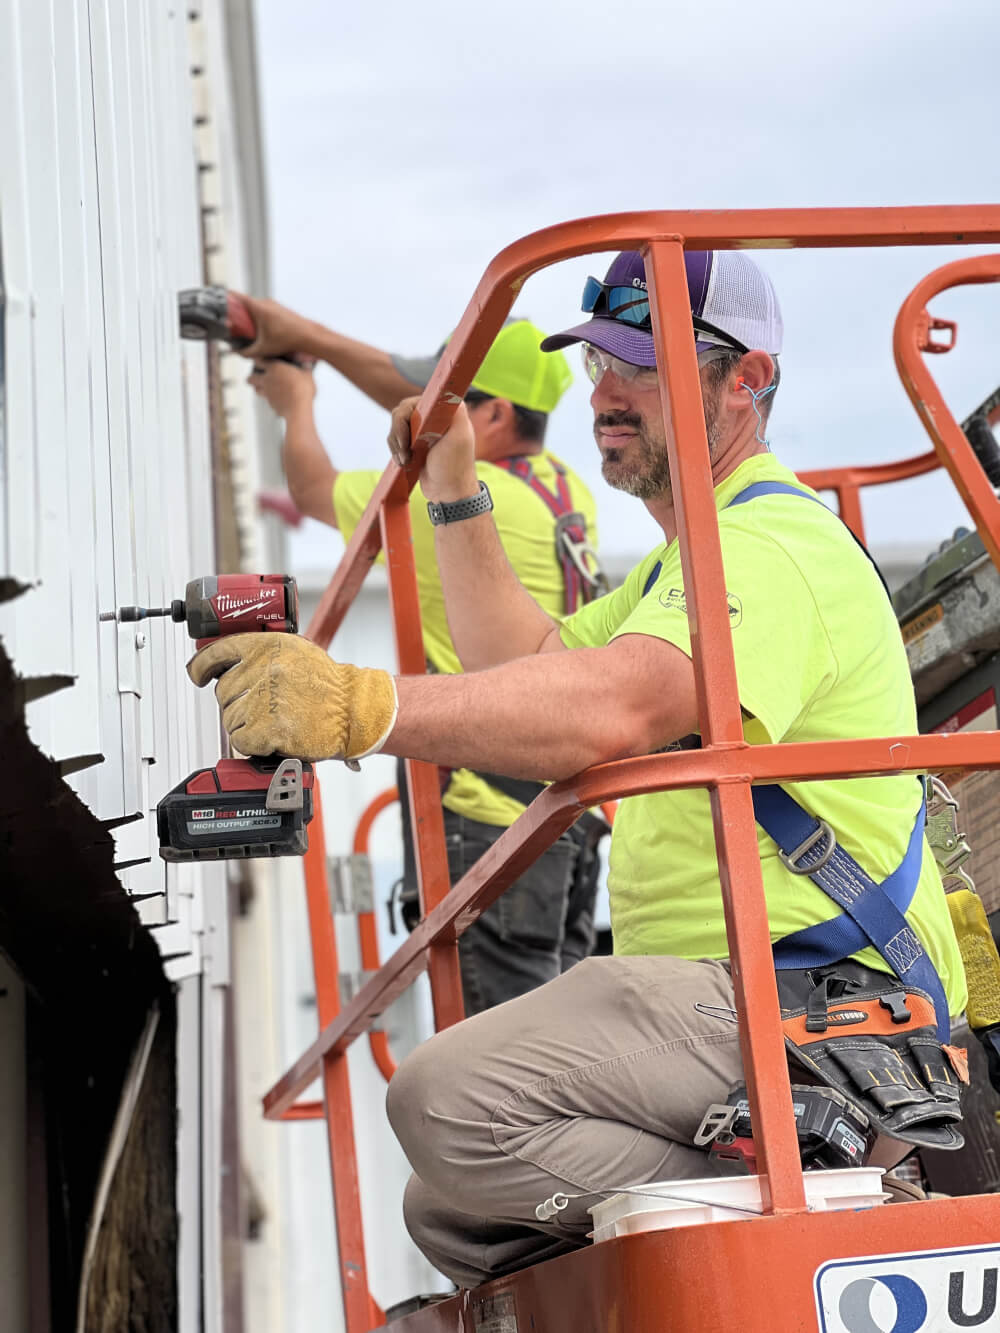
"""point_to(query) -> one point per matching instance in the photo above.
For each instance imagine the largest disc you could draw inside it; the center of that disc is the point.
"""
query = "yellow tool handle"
(979, 955)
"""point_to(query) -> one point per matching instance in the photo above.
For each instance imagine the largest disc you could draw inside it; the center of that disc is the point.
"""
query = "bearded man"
(600, 1078)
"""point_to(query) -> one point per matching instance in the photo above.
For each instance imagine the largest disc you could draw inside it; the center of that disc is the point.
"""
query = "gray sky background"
(407, 144)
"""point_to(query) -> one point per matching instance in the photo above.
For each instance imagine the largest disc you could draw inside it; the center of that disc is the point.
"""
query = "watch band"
(453, 511)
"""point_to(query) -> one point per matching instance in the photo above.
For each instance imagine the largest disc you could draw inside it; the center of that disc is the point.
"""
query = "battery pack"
(832, 1133)
(240, 808)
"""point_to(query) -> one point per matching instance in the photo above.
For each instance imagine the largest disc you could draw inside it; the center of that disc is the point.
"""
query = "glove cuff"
(374, 712)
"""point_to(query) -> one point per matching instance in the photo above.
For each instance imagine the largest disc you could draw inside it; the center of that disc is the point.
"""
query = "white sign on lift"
(930, 1291)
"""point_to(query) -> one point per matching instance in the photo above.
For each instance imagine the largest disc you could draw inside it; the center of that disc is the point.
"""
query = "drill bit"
(128, 614)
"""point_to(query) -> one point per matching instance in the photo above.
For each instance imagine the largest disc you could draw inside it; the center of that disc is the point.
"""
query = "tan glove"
(281, 694)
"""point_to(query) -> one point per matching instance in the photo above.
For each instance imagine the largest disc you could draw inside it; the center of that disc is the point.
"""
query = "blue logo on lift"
(855, 1304)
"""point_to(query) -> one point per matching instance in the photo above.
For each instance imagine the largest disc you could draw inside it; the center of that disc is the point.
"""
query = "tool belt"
(881, 1039)
(874, 1040)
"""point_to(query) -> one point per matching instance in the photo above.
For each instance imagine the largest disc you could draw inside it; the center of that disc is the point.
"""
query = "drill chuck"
(129, 614)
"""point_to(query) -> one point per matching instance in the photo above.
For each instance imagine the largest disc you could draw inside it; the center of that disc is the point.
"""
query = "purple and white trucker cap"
(732, 301)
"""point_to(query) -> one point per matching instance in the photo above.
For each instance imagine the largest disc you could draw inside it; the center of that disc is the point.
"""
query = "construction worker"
(545, 922)
(600, 1079)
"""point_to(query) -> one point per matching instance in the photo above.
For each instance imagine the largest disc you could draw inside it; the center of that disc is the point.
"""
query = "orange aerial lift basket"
(788, 1268)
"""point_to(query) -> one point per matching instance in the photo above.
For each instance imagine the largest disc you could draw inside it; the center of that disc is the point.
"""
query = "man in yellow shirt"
(600, 1079)
(547, 524)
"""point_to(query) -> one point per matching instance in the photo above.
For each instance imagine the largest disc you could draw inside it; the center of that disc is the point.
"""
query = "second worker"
(546, 518)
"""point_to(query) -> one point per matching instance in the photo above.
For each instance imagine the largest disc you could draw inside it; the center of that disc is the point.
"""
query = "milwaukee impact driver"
(241, 807)
(214, 314)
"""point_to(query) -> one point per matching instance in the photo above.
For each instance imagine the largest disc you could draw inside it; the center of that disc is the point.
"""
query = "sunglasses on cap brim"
(630, 305)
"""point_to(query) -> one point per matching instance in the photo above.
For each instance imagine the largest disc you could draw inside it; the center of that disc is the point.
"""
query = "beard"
(642, 468)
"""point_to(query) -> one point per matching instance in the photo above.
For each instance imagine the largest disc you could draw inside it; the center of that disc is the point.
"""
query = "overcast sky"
(407, 144)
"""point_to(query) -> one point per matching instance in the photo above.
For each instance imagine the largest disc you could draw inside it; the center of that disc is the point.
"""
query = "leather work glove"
(281, 694)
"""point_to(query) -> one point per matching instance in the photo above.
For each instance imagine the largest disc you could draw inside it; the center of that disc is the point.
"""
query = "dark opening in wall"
(92, 974)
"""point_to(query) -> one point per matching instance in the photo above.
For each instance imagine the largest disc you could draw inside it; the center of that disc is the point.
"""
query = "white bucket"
(727, 1199)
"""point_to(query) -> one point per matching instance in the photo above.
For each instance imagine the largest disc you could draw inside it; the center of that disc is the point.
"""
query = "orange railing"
(914, 323)
(726, 765)
(367, 938)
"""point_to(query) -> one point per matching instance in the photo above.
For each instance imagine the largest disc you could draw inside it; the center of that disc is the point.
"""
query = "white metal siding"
(106, 467)
(105, 460)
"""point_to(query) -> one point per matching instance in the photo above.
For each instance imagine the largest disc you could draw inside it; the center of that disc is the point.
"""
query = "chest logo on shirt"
(674, 600)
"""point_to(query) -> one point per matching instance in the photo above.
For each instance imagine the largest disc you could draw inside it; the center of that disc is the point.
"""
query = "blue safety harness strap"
(771, 488)
(751, 493)
(815, 946)
(654, 574)
(876, 911)
(872, 914)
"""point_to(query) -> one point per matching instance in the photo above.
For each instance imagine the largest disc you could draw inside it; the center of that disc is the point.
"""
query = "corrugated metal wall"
(106, 472)
(130, 168)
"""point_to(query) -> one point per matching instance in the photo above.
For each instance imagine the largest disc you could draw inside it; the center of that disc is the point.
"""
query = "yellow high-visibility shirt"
(527, 531)
(818, 657)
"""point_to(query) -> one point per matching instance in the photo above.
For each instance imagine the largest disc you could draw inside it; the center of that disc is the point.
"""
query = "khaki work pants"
(597, 1080)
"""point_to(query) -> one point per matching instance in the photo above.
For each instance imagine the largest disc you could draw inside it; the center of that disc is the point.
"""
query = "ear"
(755, 371)
(501, 412)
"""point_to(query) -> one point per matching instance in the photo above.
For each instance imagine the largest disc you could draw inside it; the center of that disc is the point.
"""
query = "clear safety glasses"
(597, 363)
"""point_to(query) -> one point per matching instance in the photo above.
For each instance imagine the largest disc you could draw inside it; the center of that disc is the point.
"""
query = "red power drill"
(210, 314)
(241, 807)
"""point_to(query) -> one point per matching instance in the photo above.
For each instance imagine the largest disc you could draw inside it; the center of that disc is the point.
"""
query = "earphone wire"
(760, 393)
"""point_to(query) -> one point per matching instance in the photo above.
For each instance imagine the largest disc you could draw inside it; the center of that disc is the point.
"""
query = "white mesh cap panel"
(741, 302)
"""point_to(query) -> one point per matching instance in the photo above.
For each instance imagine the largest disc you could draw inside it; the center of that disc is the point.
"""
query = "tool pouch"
(875, 1041)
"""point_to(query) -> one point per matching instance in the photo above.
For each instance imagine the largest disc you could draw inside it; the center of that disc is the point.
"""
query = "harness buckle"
(580, 553)
(896, 1004)
(790, 859)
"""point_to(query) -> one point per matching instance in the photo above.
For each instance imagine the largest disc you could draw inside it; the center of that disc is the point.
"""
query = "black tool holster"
(874, 1040)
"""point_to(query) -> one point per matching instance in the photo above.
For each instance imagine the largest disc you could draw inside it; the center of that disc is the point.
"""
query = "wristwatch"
(453, 511)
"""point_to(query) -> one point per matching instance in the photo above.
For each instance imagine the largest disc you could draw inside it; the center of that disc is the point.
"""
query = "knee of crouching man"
(431, 1116)
(412, 1090)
